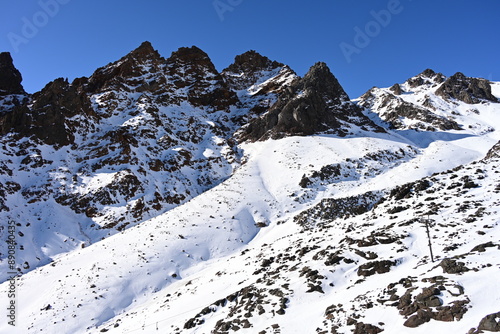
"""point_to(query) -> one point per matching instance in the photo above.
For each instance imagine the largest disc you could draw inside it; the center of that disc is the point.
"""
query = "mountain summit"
(313, 104)
(10, 77)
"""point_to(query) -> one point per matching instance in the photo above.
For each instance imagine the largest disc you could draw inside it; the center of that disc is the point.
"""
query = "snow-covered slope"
(303, 234)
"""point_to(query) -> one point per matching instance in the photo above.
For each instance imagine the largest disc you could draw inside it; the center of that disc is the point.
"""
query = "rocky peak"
(252, 61)
(320, 80)
(10, 77)
(428, 76)
(468, 90)
(46, 117)
(145, 51)
(130, 70)
(396, 89)
(316, 103)
(191, 59)
(248, 68)
(258, 75)
(192, 69)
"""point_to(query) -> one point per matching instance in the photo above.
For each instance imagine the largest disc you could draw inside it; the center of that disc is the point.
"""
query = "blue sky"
(365, 43)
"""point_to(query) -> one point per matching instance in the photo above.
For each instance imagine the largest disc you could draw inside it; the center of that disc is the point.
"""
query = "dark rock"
(428, 297)
(191, 68)
(490, 323)
(316, 103)
(494, 152)
(418, 319)
(117, 74)
(455, 312)
(468, 90)
(451, 266)
(375, 267)
(47, 117)
(10, 77)
(362, 328)
(247, 70)
(396, 89)
(333, 208)
(482, 247)
(398, 108)
(426, 77)
(409, 189)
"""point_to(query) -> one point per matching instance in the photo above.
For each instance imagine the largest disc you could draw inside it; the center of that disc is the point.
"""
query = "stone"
(468, 90)
(375, 267)
(451, 266)
(316, 103)
(10, 77)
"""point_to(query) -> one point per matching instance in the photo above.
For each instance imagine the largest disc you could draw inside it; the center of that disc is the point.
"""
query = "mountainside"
(162, 195)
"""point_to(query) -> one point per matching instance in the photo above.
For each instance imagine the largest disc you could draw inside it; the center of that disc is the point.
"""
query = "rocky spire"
(316, 103)
(10, 77)
(129, 68)
(428, 76)
(192, 67)
(145, 51)
(248, 68)
(252, 61)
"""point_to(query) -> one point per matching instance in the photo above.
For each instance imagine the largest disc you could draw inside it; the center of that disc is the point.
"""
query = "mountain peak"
(190, 54)
(252, 61)
(320, 78)
(251, 68)
(145, 50)
(428, 76)
(316, 103)
(468, 90)
(428, 73)
(10, 77)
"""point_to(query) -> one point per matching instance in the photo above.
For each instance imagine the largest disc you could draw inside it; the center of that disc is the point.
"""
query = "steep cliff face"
(313, 104)
(48, 118)
(10, 77)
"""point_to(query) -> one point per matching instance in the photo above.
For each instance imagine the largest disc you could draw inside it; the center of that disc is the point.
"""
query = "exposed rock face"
(400, 108)
(191, 68)
(468, 90)
(313, 104)
(427, 77)
(490, 323)
(258, 81)
(130, 70)
(247, 69)
(451, 266)
(396, 89)
(10, 77)
(428, 102)
(494, 152)
(47, 117)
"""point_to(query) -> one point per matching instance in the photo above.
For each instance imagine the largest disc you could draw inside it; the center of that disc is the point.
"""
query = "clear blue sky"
(75, 37)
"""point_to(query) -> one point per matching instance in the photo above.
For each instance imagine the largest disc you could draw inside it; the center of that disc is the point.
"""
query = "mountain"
(162, 195)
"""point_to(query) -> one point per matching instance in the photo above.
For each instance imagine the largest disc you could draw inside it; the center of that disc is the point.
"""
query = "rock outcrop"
(10, 77)
(314, 104)
(468, 90)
